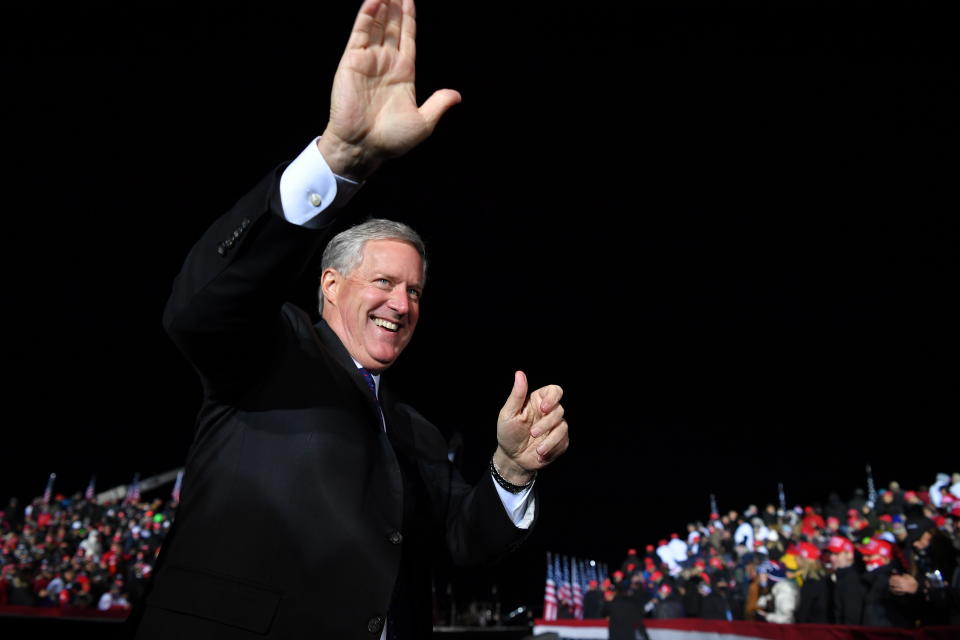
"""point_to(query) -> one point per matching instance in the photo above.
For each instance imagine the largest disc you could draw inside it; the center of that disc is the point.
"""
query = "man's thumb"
(518, 395)
(437, 104)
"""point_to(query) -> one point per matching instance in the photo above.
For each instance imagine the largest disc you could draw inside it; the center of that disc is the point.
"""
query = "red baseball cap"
(838, 544)
(886, 549)
(809, 551)
(876, 547)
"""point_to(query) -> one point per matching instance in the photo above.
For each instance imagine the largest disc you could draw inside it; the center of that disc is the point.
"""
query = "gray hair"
(345, 250)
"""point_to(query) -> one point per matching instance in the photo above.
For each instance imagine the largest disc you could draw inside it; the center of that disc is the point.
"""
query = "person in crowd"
(694, 535)
(665, 554)
(757, 588)
(618, 583)
(882, 607)
(743, 536)
(689, 585)
(624, 612)
(890, 501)
(632, 558)
(780, 604)
(770, 515)
(593, 601)
(678, 549)
(811, 521)
(715, 604)
(849, 590)
(941, 488)
(933, 559)
(815, 597)
(114, 598)
(741, 577)
(667, 604)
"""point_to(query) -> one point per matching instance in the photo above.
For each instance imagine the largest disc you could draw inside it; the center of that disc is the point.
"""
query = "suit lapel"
(330, 342)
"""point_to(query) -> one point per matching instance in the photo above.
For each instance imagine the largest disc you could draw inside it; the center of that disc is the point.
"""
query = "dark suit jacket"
(299, 516)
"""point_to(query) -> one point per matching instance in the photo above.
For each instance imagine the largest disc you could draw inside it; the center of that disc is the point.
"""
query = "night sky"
(725, 231)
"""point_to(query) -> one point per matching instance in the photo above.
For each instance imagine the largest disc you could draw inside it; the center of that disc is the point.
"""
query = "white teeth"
(386, 324)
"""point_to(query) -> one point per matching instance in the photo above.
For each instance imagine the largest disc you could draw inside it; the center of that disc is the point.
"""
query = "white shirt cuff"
(308, 186)
(520, 506)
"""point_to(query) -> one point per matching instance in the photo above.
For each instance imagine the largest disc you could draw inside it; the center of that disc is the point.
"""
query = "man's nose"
(399, 301)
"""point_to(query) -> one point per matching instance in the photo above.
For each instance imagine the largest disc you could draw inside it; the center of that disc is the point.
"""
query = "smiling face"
(374, 308)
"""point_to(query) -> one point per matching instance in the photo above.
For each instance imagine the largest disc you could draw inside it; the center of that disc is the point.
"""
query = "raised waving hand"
(373, 105)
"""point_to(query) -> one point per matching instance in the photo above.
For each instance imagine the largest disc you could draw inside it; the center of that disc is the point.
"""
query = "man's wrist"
(345, 159)
(509, 470)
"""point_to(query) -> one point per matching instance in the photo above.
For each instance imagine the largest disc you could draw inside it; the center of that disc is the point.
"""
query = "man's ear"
(329, 285)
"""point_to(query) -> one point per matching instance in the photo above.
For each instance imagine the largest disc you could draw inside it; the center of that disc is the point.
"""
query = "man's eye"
(413, 293)
(382, 282)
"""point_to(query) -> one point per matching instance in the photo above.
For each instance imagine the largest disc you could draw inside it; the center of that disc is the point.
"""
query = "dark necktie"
(370, 382)
(368, 377)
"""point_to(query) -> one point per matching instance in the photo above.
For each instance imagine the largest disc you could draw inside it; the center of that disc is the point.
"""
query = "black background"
(728, 232)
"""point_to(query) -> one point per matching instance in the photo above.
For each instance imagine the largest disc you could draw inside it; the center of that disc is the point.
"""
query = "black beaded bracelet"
(509, 486)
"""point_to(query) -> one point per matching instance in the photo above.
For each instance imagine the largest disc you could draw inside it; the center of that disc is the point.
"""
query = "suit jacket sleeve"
(224, 311)
(477, 527)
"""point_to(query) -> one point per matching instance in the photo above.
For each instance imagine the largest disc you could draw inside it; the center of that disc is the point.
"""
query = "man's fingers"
(391, 30)
(360, 35)
(408, 30)
(549, 397)
(379, 24)
(547, 422)
(436, 105)
(555, 443)
(517, 397)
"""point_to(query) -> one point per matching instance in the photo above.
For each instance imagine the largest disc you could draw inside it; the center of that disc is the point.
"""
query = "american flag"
(48, 492)
(90, 492)
(550, 594)
(577, 590)
(565, 594)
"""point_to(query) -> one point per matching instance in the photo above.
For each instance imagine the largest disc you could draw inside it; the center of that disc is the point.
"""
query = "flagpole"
(871, 488)
(48, 492)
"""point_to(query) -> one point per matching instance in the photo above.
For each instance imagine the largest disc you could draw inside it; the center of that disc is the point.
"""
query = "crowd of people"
(889, 561)
(74, 552)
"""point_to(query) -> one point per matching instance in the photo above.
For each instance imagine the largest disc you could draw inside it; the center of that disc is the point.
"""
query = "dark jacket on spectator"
(814, 605)
(626, 617)
(848, 596)
(884, 609)
(593, 604)
(714, 606)
(691, 599)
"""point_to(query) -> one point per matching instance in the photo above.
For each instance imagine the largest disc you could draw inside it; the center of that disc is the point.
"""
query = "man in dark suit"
(313, 498)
